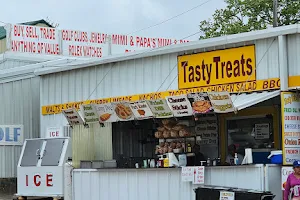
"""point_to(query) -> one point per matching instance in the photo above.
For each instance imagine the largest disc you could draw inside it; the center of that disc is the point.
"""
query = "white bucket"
(273, 153)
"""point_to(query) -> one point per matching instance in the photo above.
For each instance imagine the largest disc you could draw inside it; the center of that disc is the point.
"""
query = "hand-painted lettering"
(36, 180)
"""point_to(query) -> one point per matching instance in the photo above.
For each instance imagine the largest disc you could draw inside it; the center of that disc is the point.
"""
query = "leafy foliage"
(248, 15)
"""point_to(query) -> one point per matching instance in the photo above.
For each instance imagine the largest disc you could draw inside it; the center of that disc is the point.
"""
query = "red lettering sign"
(49, 180)
(38, 180)
(35, 181)
(54, 134)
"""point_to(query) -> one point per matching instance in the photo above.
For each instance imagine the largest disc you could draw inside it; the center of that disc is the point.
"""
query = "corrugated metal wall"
(161, 184)
(93, 143)
(82, 144)
(19, 105)
(103, 142)
(10, 63)
(293, 44)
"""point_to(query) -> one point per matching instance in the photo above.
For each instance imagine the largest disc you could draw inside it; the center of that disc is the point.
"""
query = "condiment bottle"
(236, 159)
(215, 162)
(189, 148)
(166, 162)
(208, 162)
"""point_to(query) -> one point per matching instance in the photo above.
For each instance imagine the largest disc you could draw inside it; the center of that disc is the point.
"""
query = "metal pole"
(275, 17)
(109, 44)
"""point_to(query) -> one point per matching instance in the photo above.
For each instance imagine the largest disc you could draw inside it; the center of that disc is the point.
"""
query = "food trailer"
(138, 125)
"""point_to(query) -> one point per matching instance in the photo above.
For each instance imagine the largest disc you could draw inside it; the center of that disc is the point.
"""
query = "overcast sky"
(115, 16)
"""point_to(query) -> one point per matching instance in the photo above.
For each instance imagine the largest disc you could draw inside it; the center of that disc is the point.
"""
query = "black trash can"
(207, 193)
(253, 195)
(213, 193)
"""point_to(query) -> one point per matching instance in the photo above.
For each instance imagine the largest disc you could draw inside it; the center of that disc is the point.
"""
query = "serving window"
(255, 132)
(256, 128)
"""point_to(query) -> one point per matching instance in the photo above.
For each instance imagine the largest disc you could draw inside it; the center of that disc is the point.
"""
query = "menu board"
(159, 108)
(200, 102)
(207, 129)
(72, 116)
(106, 112)
(285, 172)
(221, 102)
(262, 131)
(89, 113)
(180, 106)
(141, 110)
(123, 111)
(290, 105)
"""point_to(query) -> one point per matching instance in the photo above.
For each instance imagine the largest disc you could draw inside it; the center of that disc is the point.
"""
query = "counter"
(165, 183)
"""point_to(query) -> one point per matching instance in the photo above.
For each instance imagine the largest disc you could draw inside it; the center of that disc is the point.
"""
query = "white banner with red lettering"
(76, 43)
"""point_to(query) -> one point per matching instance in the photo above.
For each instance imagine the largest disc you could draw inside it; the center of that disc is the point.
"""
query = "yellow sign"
(217, 67)
(233, 87)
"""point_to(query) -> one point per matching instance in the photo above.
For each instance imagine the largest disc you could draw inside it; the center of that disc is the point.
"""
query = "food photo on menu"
(141, 110)
(106, 112)
(123, 111)
(200, 103)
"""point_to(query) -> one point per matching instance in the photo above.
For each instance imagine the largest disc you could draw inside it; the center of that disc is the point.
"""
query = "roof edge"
(33, 57)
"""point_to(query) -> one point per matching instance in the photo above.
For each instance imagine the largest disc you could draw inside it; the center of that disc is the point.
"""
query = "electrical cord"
(171, 18)
(136, 55)
(243, 86)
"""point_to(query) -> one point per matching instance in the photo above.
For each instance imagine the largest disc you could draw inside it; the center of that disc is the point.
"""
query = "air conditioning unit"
(67, 131)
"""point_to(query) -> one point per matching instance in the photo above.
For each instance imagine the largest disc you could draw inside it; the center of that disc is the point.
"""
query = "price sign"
(187, 174)
(198, 175)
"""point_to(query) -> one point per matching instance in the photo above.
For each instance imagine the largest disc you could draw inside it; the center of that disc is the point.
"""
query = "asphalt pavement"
(6, 197)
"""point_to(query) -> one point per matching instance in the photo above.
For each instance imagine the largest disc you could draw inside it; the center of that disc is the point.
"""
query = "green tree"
(248, 15)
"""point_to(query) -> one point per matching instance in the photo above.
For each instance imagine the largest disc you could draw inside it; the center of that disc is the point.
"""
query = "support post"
(283, 62)
(275, 16)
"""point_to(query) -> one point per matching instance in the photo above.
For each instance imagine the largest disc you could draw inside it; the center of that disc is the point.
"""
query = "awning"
(244, 100)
